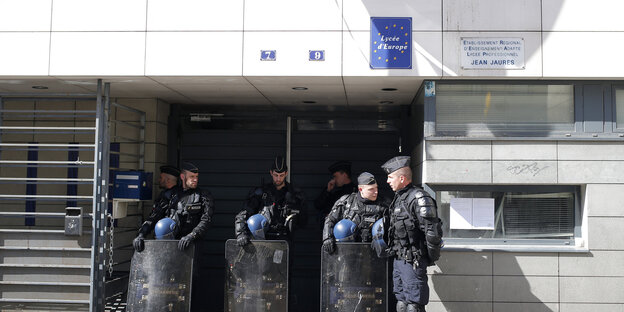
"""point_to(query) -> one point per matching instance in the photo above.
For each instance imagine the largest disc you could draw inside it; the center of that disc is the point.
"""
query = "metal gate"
(55, 223)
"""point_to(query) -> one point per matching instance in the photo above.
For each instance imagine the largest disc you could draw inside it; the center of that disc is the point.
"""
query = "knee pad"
(401, 306)
(415, 308)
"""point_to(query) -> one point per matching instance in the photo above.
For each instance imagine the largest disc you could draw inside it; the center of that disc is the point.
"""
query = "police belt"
(408, 255)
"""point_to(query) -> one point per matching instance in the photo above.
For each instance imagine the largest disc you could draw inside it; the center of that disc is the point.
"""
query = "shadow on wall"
(472, 282)
(457, 19)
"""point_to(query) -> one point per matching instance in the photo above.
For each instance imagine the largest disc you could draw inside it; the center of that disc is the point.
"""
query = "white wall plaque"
(492, 53)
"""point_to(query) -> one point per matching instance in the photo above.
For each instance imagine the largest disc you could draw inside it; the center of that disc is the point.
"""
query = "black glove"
(185, 242)
(139, 243)
(329, 245)
(242, 240)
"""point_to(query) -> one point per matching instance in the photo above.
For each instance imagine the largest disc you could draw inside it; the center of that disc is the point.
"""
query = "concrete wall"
(156, 114)
(563, 38)
(549, 281)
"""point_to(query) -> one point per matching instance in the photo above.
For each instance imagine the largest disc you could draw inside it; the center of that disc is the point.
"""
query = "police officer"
(415, 236)
(280, 202)
(168, 182)
(339, 185)
(193, 212)
(363, 207)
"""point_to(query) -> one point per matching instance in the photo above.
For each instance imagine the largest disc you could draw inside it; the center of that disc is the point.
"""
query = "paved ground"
(116, 304)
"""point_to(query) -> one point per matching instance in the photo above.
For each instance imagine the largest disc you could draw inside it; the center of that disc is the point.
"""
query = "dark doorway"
(234, 152)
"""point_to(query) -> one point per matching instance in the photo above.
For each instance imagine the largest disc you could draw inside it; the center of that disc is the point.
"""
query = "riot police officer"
(339, 185)
(279, 202)
(415, 236)
(193, 212)
(363, 207)
(168, 181)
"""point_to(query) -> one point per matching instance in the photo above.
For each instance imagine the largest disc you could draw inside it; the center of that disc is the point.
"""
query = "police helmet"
(165, 229)
(257, 225)
(378, 232)
(344, 230)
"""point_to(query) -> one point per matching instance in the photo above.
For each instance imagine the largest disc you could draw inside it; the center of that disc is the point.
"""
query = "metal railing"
(40, 143)
(40, 152)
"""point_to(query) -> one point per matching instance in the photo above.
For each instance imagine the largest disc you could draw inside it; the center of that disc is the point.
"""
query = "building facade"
(512, 111)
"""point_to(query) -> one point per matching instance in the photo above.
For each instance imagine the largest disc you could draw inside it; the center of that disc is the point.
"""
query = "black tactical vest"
(363, 213)
(189, 210)
(406, 237)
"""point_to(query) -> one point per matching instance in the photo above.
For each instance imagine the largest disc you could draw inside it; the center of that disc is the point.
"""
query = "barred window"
(519, 214)
(619, 109)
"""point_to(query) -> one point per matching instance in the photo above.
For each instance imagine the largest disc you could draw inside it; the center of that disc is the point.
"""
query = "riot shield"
(160, 278)
(256, 276)
(353, 279)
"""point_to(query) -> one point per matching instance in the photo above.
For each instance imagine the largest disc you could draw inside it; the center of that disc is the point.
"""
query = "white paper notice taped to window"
(461, 213)
(483, 213)
(472, 213)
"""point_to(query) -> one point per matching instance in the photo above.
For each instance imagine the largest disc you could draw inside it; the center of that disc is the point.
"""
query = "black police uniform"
(283, 209)
(363, 212)
(192, 212)
(166, 199)
(415, 239)
(326, 200)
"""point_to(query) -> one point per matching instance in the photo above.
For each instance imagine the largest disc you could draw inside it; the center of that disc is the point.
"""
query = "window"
(619, 109)
(503, 109)
(509, 215)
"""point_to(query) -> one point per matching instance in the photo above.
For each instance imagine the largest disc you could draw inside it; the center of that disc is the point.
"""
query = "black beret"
(395, 164)
(366, 178)
(170, 170)
(279, 164)
(342, 165)
(190, 167)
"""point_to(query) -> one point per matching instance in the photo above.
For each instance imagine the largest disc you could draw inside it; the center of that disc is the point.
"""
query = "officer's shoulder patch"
(427, 212)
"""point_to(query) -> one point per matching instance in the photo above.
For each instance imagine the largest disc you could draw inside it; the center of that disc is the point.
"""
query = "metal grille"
(55, 154)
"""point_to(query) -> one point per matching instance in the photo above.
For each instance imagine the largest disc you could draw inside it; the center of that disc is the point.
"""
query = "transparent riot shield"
(256, 276)
(353, 279)
(160, 278)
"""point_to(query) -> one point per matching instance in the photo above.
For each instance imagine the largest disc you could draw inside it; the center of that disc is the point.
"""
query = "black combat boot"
(401, 306)
(415, 308)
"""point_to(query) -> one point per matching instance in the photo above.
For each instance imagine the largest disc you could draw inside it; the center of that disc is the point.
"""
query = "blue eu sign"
(391, 43)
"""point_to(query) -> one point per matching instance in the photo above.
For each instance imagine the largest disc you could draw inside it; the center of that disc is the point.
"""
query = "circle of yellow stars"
(379, 34)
